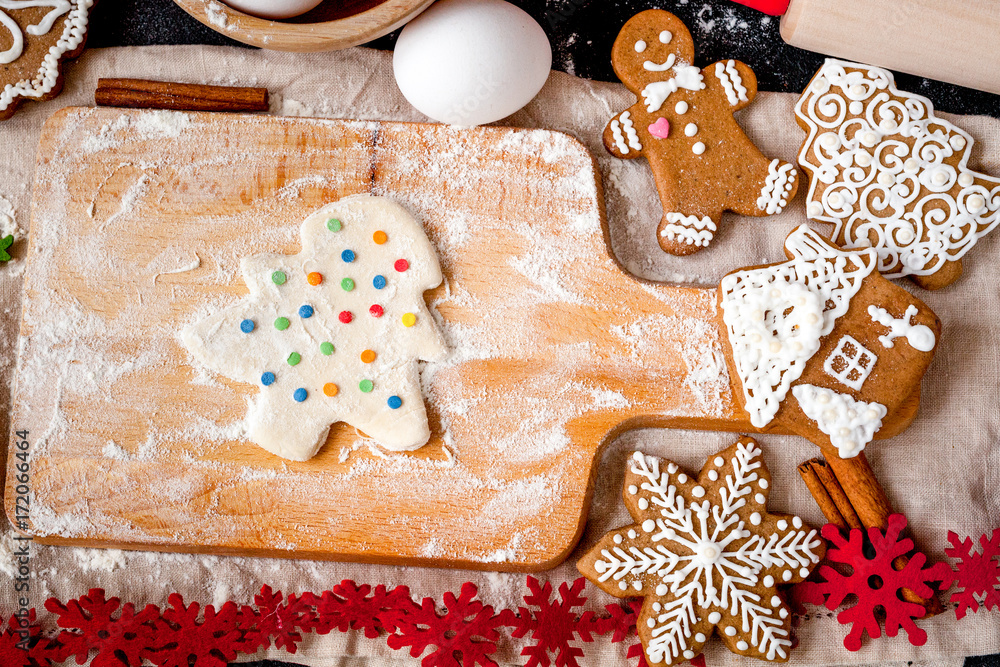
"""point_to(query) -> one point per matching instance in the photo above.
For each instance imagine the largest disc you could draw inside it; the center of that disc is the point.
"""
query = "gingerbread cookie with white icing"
(36, 36)
(889, 174)
(683, 125)
(823, 345)
(707, 556)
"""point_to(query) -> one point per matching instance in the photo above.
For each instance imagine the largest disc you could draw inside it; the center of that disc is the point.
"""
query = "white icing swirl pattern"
(625, 130)
(732, 82)
(919, 336)
(850, 424)
(689, 229)
(776, 315)
(73, 34)
(774, 195)
(889, 174)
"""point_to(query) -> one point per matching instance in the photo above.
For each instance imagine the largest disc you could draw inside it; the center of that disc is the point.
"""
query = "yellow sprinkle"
(409, 319)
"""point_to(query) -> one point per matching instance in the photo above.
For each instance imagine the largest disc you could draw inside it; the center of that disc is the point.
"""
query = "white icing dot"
(698, 148)
(599, 566)
(976, 203)
(768, 581)
(796, 521)
(682, 478)
(783, 613)
(829, 140)
(775, 346)
(698, 492)
(688, 654)
(742, 645)
(871, 415)
(815, 209)
(940, 178)
(637, 585)
(713, 475)
(857, 90)
(617, 539)
(640, 46)
(755, 518)
(869, 139)
(714, 617)
(843, 432)
(762, 483)
(672, 468)
(775, 601)
(690, 129)
(633, 489)
(760, 498)
(650, 623)
(657, 606)
(631, 534)
(965, 180)
(804, 572)
(662, 589)
(911, 165)
(622, 585)
(782, 524)
(666, 36)
(643, 504)
(786, 575)
(863, 159)
(730, 631)
(719, 461)
(835, 199)
(957, 142)
(681, 107)
(888, 126)
(857, 107)
(700, 637)
(648, 525)
(886, 179)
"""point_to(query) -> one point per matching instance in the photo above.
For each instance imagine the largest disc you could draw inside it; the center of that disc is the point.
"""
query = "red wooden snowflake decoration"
(274, 620)
(22, 643)
(555, 624)
(467, 629)
(90, 625)
(212, 642)
(349, 606)
(976, 574)
(875, 582)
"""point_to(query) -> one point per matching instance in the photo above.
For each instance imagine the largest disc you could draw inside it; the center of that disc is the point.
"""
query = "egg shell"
(469, 62)
(273, 9)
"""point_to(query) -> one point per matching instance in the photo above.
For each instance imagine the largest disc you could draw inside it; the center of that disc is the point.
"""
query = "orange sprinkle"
(380, 237)
(368, 356)
(314, 278)
(330, 389)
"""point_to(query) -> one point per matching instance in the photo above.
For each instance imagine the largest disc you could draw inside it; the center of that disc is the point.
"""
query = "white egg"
(469, 62)
(273, 9)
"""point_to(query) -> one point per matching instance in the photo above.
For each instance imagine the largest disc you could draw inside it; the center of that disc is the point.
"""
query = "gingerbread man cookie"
(707, 555)
(683, 125)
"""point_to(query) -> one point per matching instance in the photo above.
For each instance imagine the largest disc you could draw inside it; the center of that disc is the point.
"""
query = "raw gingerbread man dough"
(683, 124)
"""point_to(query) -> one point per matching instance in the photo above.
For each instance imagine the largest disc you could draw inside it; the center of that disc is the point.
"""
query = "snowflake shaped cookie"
(706, 555)
(333, 333)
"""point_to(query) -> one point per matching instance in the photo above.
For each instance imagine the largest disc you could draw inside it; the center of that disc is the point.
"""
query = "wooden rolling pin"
(948, 40)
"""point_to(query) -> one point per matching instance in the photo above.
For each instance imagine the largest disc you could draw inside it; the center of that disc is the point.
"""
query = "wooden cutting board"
(139, 221)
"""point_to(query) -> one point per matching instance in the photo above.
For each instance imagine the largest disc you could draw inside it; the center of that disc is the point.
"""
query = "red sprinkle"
(376, 310)
(346, 316)
(401, 265)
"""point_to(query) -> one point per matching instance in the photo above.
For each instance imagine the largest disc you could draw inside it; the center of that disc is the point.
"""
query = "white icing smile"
(665, 65)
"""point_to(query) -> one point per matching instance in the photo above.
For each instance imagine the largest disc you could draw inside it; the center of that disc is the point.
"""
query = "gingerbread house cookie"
(683, 125)
(889, 174)
(823, 345)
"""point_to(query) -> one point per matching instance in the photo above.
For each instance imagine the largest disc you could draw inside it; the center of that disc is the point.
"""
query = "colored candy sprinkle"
(409, 319)
(366, 386)
(306, 311)
(380, 237)
(279, 277)
(334, 225)
(376, 310)
(300, 394)
(315, 278)
(345, 316)
(401, 265)
(326, 349)
(330, 389)
(368, 356)
(246, 326)
(395, 402)
(348, 256)
(267, 379)
(281, 323)
(294, 358)
(347, 284)
(378, 282)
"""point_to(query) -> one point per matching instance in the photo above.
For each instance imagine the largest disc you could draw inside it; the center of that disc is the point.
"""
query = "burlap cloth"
(943, 473)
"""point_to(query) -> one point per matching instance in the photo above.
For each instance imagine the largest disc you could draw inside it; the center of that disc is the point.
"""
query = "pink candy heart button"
(660, 129)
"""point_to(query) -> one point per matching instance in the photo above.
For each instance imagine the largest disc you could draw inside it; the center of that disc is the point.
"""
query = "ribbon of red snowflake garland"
(462, 631)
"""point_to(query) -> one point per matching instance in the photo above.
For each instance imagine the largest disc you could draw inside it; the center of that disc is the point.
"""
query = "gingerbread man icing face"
(682, 123)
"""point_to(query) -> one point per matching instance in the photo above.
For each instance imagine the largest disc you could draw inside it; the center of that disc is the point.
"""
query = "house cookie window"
(851, 363)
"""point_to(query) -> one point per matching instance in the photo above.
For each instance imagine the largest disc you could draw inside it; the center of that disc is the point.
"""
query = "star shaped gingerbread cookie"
(706, 555)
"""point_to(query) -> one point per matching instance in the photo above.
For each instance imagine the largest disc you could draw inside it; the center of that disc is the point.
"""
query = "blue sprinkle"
(348, 256)
(300, 394)
(378, 282)
(306, 311)
(267, 379)
(395, 402)
(246, 326)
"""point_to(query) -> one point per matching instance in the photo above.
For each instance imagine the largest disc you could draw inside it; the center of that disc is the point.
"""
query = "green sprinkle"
(5, 243)
(326, 348)
(279, 277)
(366, 386)
(294, 358)
(347, 284)
(281, 323)
(334, 225)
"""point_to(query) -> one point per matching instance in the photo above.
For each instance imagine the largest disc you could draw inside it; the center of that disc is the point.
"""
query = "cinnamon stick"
(144, 94)
(820, 494)
(837, 493)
